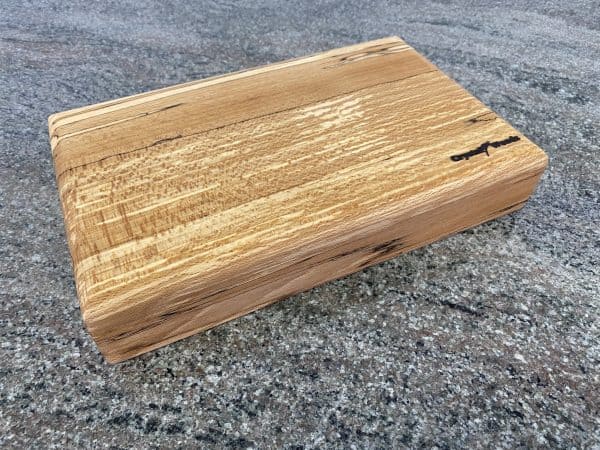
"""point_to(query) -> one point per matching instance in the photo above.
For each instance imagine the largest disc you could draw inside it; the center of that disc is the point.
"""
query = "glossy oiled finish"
(191, 205)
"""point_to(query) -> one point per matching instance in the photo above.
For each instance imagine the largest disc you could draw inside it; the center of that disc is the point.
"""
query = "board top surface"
(174, 193)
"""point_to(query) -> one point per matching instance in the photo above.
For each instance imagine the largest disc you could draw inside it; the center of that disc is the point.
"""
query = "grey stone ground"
(487, 339)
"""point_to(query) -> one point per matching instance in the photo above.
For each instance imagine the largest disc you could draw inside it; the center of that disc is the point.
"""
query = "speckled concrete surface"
(487, 339)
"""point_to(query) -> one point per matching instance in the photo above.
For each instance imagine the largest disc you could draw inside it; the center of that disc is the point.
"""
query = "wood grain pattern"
(191, 205)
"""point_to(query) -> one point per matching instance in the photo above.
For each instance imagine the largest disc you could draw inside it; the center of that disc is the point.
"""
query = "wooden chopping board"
(189, 206)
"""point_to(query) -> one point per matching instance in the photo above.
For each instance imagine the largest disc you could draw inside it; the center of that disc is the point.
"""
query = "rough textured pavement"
(486, 339)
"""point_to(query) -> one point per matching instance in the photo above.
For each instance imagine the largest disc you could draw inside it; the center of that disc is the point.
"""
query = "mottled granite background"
(487, 339)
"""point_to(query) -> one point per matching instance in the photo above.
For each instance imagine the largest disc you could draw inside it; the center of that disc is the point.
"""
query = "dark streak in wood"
(484, 148)
(380, 251)
(480, 118)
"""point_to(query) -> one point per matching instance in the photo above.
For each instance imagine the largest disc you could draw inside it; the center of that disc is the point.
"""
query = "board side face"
(191, 205)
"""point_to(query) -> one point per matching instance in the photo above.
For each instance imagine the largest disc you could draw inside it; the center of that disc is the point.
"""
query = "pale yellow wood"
(191, 205)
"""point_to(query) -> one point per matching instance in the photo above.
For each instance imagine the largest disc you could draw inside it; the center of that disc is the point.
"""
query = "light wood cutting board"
(192, 205)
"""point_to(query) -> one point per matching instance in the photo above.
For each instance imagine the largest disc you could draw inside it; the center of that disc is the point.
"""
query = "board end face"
(69, 217)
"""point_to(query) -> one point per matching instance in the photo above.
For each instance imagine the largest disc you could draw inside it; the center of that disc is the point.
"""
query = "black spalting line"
(383, 250)
(137, 116)
(354, 56)
(129, 333)
(379, 250)
(163, 317)
(348, 253)
(146, 147)
(169, 107)
(389, 50)
(387, 246)
(480, 118)
(162, 141)
(483, 148)
(173, 313)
